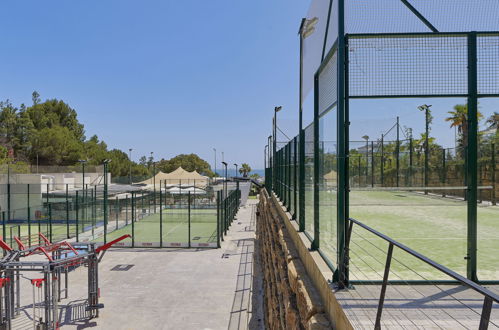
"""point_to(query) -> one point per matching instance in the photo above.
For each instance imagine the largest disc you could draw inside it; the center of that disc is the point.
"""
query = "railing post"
(486, 309)
(343, 281)
(383, 287)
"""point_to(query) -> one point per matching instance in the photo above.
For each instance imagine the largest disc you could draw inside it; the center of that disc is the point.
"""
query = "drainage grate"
(122, 268)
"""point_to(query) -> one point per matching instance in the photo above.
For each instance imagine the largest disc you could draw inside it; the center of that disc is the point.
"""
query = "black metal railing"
(489, 296)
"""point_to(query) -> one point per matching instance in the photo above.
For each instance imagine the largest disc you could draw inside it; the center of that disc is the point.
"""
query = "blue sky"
(188, 76)
(165, 76)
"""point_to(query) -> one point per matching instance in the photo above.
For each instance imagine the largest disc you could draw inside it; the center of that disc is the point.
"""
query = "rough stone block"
(318, 322)
(307, 299)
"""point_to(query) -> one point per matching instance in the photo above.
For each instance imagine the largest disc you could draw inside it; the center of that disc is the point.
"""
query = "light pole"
(236, 169)
(225, 180)
(130, 173)
(215, 153)
(426, 109)
(153, 168)
(82, 162)
(276, 110)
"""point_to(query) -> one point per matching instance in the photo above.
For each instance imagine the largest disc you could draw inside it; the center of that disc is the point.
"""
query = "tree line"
(48, 133)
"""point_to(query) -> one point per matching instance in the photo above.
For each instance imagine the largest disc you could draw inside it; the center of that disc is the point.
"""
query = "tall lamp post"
(236, 169)
(276, 110)
(426, 109)
(130, 173)
(215, 153)
(225, 180)
(153, 169)
(82, 162)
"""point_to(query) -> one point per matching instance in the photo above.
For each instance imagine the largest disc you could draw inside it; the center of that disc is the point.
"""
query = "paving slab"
(166, 288)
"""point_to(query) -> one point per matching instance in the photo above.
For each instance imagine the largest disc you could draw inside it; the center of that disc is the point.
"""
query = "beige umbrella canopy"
(178, 177)
(331, 179)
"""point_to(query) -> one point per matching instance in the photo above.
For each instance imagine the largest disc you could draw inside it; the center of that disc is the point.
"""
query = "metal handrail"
(489, 295)
(480, 289)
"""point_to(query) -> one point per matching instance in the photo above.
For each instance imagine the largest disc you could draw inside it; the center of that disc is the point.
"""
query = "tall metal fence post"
(50, 223)
(342, 276)
(8, 201)
(472, 161)
(301, 147)
(105, 202)
(295, 179)
(77, 217)
(219, 218)
(133, 218)
(493, 174)
(160, 216)
(28, 216)
(410, 162)
(189, 218)
(382, 160)
(397, 151)
(372, 164)
(290, 179)
(316, 240)
(126, 210)
(116, 210)
(29, 226)
(4, 228)
(67, 212)
(444, 170)
(226, 225)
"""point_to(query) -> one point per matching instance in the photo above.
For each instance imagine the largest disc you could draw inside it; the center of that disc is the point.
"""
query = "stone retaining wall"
(290, 299)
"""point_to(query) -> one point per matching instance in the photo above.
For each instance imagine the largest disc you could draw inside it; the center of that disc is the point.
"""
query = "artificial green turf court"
(432, 225)
(175, 227)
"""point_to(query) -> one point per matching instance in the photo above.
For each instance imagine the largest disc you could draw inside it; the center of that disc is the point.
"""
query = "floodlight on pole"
(236, 168)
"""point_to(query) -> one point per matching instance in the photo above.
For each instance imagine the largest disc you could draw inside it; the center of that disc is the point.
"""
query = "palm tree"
(459, 118)
(245, 169)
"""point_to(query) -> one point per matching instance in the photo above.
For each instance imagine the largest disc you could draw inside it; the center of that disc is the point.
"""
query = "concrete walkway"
(169, 289)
